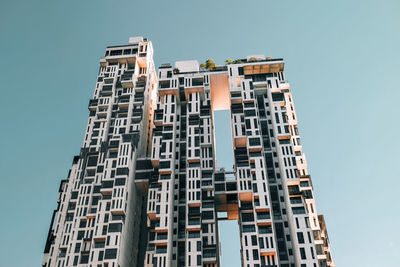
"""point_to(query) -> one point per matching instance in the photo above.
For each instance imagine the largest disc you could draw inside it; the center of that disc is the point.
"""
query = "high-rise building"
(146, 190)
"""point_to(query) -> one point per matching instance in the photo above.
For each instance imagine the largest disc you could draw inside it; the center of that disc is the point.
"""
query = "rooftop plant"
(209, 64)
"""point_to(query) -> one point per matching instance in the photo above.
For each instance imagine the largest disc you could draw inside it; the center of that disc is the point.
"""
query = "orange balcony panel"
(284, 137)
(193, 160)
(233, 214)
(293, 182)
(194, 204)
(246, 196)
(264, 223)
(169, 91)
(165, 171)
(255, 149)
(193, 229)
(258, 209)
(161, 230)
(271, 253)
(160, 243)
(152, 216)
(155, 162)
(240, 142)
(263, 68)
(118, 212)
(106, 193)
(232, 207)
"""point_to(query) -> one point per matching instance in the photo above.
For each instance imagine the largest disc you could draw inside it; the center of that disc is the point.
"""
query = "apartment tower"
(146, 190)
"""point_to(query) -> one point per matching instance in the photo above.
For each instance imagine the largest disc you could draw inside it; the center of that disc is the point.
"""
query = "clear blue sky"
(342, 60)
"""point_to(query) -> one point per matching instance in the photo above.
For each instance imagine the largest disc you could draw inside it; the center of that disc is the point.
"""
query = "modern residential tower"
(146, 189)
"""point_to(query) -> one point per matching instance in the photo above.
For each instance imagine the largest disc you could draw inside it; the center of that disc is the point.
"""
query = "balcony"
(118, 210)
(140, 85)
(103, 62)
(207, 183)
(127, 80)
(93, 104)
(264, 219)
(236, 97)
(164, 84)
(197, 81)
(268, 252)
(194, 85)
(116, 56)
(294, 191)
(194, 212)
(246, 206)
(106, 187)
(194, 222)
(284, 85)
(106, 90)
(102, 112)
(123, 102)
(193, 225)
(264, 68)
(210, 255)
(158, 117)
(108, 79)
(167, 87)
(165, 167)
(137, 113)
(161, 239)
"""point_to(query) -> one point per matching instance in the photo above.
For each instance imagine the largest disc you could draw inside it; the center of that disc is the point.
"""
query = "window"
(247, 217)
(101, 254)
(76, 260)
(249, 228)
(207, 215)
(194, 234)
(303, 254)
(240, 70)
(265, 229)
(300, 237)
(254, 240)
(255, 254)
(261, 240)
(84, 259)
(298, 210)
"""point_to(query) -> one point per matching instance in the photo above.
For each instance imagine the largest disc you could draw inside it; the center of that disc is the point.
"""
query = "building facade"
(146, 190)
